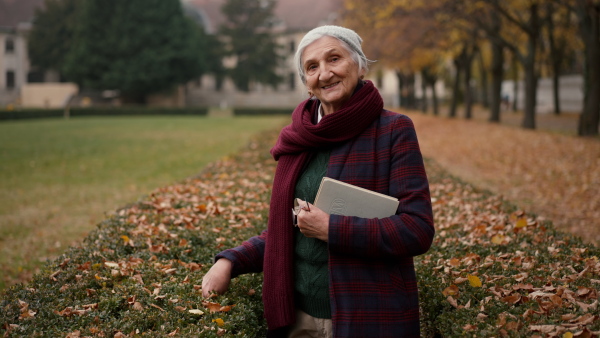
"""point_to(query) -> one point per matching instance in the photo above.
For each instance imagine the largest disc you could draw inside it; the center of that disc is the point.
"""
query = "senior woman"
(333, 275)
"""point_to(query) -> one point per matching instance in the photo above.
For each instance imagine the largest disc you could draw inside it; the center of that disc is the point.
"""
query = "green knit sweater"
(311, 254)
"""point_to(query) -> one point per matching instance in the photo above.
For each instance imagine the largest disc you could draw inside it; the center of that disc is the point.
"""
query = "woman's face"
(331, 73)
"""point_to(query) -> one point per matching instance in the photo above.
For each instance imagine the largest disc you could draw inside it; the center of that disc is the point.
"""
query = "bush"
(263, 111)
(140, 271)
(98, 111)
(492, 271)
(495, 271)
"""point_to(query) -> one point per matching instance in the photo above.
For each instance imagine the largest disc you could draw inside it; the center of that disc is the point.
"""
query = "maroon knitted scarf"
(291, 150)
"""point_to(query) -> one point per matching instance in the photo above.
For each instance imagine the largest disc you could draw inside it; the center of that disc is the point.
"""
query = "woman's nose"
(324, 73)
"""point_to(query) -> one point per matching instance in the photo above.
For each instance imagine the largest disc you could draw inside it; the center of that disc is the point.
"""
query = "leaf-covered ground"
(551, 174)
(494, 269)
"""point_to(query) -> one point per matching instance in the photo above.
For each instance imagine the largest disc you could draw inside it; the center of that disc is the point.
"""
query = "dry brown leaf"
(585, 319)
(452, 301)
(138, 306)
(452, 290)
(542, 328)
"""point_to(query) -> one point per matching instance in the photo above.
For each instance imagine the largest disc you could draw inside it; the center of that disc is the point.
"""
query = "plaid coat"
(373, 289)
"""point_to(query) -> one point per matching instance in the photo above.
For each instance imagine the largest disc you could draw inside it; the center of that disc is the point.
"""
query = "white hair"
(348, 39)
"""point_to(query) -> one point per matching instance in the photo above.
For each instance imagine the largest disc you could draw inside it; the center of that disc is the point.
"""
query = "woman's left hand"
(313, 223)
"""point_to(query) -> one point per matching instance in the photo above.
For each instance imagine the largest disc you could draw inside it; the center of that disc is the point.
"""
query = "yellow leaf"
(474, 281)
(497, 239)
(521, 223)
(219, 321)
(196, 312)
(125, 239)
(567, 335)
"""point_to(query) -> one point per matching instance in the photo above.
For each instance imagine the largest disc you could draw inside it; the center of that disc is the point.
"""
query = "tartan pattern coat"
(372, 280)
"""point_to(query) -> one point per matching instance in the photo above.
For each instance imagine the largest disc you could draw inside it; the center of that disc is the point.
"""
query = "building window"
(292, 46)
(292, 81)
(10, 79)
(9, 46)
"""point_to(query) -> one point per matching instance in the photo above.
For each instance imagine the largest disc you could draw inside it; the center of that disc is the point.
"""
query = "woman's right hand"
(217, 278)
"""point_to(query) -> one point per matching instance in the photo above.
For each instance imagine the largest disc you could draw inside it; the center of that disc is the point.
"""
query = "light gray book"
(340, 198)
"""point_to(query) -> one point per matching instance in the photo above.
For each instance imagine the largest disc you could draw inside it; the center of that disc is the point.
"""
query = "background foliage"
(248, 39)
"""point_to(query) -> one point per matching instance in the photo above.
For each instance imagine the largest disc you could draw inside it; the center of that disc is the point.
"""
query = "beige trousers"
(309, 326)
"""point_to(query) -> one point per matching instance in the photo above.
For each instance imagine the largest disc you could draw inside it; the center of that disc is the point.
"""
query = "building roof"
(307, 14)
(291, 15)
(15, 12)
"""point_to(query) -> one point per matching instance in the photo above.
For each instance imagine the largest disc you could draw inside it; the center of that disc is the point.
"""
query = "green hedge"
(97, 111)
(263, 111)
(141, 270)
(492, 271)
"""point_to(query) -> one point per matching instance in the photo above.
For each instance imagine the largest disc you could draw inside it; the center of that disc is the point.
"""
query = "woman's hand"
(217, 278)
(313, 223)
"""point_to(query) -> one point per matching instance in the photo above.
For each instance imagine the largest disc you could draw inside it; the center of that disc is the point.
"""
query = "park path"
(549, 171)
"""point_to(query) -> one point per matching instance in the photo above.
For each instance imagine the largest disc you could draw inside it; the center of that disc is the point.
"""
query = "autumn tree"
(249, 41)
(525, 16)
(137, 47)
(397, 34)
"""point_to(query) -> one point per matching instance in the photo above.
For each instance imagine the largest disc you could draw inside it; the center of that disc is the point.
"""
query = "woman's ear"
(361, 73)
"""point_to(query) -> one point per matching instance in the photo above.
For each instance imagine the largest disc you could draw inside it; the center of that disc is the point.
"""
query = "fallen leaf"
(474, 281)
(452, 301)
(212, 307)
(542, 328)
(452, 290)
(497, 239)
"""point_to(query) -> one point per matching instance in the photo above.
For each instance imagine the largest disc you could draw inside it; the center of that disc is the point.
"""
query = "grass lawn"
(58, 177)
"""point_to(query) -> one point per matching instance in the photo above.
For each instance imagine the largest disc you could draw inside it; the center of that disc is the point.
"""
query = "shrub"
(263, 111)
(98, 111)
(140, 271)
(493, 270)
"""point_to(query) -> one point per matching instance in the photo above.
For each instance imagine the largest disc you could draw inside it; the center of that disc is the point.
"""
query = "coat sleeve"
(410, 231)
(248, 257)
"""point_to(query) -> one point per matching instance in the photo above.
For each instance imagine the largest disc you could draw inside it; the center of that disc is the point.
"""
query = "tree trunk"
(515, 76)
(424, 91)
(485, 92)
(434, 99)
(400, 89)
(589, 16)
(530, 73)
(468, 63)
(497, 69)
(555, 56)
(530, 92)
(556, 89)
(410, 95)
(455, 89)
